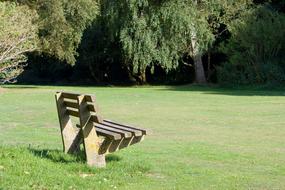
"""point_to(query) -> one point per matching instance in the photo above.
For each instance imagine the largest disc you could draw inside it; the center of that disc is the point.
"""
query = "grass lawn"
(202, 138)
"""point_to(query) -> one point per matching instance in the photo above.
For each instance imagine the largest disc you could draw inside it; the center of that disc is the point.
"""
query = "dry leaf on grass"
(83, 175)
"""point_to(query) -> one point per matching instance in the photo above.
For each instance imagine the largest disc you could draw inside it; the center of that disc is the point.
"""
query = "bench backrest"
(81, 106)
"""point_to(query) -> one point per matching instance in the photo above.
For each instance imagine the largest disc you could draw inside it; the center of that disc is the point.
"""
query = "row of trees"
(136, 37)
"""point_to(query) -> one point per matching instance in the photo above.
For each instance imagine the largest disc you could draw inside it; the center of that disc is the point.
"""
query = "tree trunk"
(209, 70)
(197, 58)
(200, 77)
(199, 70)
(93, 74)
(142, 78)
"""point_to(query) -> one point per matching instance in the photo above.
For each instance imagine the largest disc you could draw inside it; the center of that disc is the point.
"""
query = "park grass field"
(201, 138)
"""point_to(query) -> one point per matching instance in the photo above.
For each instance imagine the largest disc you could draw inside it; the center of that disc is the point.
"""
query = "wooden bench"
(99, 136)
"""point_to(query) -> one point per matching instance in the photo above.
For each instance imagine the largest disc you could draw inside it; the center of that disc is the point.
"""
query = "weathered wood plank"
(74, 96)
(137, 140)
(70, 137)
(72, 112)
(96, 118)
(91, 141)
(106, 133)
(115, 145)
(126, 134)
(127, 126)
(71, 104)
(126, 142)
(105, 146)
(135, 132)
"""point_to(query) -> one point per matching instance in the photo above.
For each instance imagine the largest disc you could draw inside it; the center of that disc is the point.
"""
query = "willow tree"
(190, 31)
(128, 22)
(156, 33)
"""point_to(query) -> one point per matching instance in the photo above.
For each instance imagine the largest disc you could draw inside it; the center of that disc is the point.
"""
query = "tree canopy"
(18, 35)
(61, 24)
(144, 38)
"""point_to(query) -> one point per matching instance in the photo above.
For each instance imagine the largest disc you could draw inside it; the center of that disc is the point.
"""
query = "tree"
(61, 25)
(155, 33)
(18, 35)
(256, 48)
(161, 32)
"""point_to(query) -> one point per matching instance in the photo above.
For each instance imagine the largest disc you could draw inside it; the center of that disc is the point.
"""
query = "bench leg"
(92, 145)
(71, 141)
(70, 137)
(91, 141)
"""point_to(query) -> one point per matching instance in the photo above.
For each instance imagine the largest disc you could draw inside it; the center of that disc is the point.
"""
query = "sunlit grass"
(201, 138)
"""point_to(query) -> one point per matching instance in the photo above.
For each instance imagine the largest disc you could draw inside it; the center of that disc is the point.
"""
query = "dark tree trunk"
(93, 74)
(200, 77)
(142, 78)
(199, 70)
(139, 77)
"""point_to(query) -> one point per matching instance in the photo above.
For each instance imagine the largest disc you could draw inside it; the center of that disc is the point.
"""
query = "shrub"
(256, 49)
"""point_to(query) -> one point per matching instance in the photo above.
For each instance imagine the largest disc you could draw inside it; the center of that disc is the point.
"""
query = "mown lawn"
(202, 138)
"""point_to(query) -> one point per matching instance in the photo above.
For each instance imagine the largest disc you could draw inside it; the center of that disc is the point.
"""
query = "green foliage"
(152, 32)
(132, 37)
(160, 32)
(18, 35)
(62, 24)
(256, 48)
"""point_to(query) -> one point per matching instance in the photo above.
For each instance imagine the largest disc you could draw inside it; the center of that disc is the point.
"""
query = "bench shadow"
(58, 156)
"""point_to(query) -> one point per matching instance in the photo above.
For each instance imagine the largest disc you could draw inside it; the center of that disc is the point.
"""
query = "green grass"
(202, 138)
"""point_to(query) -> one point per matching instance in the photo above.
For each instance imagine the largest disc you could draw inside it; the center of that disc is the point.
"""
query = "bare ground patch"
(2, 90)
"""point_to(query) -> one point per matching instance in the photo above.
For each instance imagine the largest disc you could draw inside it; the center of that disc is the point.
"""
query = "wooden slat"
(136, 140)
(127, 126)
(105, 145)
(91, 107)
(106, 133)
(126, 134)
(70, 95)
(126, 142)
(75, 105)
(115, 145)
(73, 96)
(72, 112)
(71, 104)
(133, 131)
